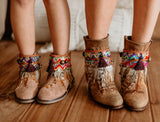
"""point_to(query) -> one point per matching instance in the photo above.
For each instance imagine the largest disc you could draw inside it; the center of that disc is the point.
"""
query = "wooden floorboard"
(77, 106)
(9, 109)
(154, 81)
(8, 51)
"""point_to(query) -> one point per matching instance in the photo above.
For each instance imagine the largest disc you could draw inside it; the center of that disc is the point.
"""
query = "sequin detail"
(131, 59)
(29, 64)
(97, 59)
(59, 63)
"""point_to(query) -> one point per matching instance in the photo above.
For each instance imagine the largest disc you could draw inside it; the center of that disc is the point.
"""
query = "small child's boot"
(60, 80)
(29, 75)
(135, 58)
(99, 73)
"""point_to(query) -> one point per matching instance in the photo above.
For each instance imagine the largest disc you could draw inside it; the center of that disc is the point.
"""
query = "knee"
(25, 3)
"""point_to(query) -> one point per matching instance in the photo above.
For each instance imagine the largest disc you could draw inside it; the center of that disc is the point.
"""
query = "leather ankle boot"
(135, 58)
(29, 75)
(60, 80)
(99, 73)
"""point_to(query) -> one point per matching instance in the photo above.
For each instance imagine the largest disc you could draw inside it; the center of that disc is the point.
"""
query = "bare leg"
(145, 16)
(59, 24)
(99, 15)
(22, 19)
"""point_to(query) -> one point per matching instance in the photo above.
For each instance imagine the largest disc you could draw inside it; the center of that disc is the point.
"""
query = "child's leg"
(97, 55)
(59, 24)
(145, 17)
(135, 56)
(60, 78)
(22, 19)
(99, 15)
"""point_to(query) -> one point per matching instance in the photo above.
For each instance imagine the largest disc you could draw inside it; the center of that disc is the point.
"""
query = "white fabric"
(3, 10)
(123, 4)
(41, 23)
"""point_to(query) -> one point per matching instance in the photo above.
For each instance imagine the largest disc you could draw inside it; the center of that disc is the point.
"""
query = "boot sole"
(45, 102)
(116, 107)
(135, 109)
(24, 101)
(107, 106)
(52, 101)
(110, 107)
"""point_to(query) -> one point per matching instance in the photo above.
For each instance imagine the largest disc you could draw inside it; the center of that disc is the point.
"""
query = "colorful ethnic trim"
(29, 63)
(58, 63)
(97, 58)
(133, 59)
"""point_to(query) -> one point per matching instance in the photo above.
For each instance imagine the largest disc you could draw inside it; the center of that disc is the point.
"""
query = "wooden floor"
(77, 106)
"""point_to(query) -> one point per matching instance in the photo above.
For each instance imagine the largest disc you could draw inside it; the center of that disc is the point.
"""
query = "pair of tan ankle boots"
(59, 81)
(99, 74)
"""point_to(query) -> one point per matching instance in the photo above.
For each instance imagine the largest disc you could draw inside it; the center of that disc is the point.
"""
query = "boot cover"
(99, 73)
(60, 80)
(29, 76)
(135, 58)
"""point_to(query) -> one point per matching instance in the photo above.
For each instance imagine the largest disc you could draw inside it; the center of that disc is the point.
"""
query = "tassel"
(139, 65)
(83, 54)
(121, 54)
(102, 62)
(30, 67)
(50, 68)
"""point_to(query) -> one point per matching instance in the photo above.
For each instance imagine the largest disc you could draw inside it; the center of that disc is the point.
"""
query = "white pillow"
(41, 22)
(3, 11)
(125, 4)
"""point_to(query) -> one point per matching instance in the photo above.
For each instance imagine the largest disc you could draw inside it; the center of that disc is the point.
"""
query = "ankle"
(60, 52)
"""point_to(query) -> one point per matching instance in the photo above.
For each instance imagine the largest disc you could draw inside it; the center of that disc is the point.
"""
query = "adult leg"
(59, 24)
(97, 55)
(145, 17)
(22, 20)
(136, 54)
